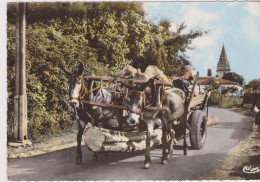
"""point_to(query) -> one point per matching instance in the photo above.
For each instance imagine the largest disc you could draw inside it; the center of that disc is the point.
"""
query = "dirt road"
(222, 141)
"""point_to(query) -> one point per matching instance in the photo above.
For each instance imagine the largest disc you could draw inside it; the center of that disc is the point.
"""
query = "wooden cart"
(100, 139)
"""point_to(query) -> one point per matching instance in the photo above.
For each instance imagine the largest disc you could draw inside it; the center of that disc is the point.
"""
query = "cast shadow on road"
(62, 163)
(240, 129)
(115, 166)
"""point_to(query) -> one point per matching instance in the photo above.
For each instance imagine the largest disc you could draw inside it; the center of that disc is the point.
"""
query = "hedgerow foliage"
(103, 36)
(253, 85)
(232, 76)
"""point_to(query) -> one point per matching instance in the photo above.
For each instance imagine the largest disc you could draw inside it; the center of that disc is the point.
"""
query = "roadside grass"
(250, 161)
(245, 154)
(229, 102)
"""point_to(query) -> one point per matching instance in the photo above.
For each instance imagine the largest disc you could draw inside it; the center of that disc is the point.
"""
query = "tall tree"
(232, 76)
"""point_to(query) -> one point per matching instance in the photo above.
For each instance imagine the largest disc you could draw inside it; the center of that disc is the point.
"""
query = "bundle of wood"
(128, 71)
(153, 71)
(101, 140)
(150, 72)
(212, 121)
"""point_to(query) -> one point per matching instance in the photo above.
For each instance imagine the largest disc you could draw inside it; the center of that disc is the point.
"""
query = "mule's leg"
(170, 146)
(184, 128)
(164, 141)
(147, 162)
(79, 138)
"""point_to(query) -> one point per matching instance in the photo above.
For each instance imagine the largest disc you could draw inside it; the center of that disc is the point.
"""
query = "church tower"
(223, 64)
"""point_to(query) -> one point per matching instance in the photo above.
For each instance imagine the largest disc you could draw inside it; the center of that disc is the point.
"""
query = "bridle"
(138, 112)
(84, 91)
(144, 106)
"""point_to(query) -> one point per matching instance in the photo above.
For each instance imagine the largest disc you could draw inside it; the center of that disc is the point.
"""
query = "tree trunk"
(100, 139)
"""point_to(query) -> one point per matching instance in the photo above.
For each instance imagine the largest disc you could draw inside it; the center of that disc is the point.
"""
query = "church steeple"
(223, 64)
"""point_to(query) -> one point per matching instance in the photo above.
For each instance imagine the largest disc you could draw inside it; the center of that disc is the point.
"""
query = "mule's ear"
(66, 73)
(79, 70)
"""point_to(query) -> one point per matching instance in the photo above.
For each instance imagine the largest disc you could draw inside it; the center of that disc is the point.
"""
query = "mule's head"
(135, 103)
(75, 81)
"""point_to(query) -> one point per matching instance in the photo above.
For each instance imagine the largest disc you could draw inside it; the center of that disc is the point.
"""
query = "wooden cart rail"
(123, 80)
(121, 106)
(194, 101)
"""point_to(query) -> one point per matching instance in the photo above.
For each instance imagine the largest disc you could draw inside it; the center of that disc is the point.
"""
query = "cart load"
(99, 139)
(104, 140)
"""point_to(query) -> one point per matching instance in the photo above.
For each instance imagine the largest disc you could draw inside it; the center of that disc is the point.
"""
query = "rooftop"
(208, 80)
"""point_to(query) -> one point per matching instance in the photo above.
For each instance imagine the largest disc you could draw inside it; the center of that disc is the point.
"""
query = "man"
(256, 108)
(183, 81)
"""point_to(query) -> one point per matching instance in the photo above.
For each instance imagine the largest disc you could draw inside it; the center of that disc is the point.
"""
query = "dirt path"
(48, 144)
(244, 157)
(246, 154)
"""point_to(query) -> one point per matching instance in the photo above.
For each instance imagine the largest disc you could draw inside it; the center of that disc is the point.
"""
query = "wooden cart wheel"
(198, 129)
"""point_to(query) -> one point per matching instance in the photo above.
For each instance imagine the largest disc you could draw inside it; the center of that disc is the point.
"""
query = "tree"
(232, 76)
(253, 85)
(229, 90)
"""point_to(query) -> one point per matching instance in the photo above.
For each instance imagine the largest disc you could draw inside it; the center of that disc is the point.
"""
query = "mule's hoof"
(185, 151)
(147, 165)
(169, 156)
(164, 161)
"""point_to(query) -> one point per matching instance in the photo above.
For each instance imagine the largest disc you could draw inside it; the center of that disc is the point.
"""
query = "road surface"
(231, 129)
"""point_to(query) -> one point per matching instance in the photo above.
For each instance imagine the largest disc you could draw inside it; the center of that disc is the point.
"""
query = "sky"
(234, 24)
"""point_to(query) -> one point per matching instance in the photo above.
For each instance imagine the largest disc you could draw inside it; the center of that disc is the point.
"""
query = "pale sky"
(234, 24)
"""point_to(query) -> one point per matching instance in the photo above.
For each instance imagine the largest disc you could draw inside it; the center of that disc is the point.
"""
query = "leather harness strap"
(144, 100)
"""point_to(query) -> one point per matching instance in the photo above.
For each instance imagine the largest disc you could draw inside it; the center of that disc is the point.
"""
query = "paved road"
(231, 129)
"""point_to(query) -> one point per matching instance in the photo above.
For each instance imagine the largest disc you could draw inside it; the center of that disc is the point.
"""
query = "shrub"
(253, 85)
(229, 102)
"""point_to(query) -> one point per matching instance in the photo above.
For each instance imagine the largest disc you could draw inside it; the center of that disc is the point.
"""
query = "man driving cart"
(184, 78)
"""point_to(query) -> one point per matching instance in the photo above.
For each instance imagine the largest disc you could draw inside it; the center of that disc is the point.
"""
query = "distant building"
(223, 64)
(204, 82)
(223, 67)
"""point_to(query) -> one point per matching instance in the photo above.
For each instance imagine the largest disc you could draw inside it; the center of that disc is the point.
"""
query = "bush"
(229, 102)
(253, 85)
(232, 76)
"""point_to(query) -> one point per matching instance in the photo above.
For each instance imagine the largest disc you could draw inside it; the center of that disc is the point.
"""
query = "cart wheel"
(198, 129)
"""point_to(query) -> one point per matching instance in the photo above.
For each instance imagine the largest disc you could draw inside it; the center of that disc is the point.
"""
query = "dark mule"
(80, 90)
(173, 99)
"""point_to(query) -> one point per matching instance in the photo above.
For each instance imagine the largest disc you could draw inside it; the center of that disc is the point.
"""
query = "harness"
(84, 92)
(144, 106)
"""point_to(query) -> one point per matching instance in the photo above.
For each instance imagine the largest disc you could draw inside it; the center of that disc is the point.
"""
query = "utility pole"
(20, 98)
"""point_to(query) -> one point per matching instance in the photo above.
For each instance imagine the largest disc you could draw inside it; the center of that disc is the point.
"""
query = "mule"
(79, 89)
(175, 102)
